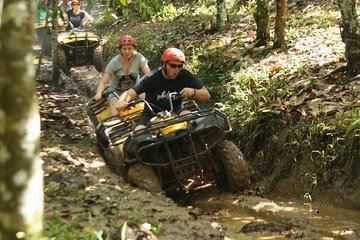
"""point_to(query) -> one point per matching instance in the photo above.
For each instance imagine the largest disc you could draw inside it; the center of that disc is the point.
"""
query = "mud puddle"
(253, 217)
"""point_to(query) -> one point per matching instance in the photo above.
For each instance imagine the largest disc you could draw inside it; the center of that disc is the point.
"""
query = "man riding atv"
(171, 145)
(170, 77)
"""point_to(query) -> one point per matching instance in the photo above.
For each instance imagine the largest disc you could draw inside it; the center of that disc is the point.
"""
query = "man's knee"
(183, 112)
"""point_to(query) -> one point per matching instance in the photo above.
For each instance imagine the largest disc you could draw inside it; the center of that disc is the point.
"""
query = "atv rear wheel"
(62, 61)
(144, 177)
(237, 172)
(98, 59)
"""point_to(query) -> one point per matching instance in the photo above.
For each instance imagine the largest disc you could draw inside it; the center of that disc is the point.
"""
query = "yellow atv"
(79, 47)
(174, 154)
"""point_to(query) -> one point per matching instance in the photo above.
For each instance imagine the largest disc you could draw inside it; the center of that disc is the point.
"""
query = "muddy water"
(252, 217)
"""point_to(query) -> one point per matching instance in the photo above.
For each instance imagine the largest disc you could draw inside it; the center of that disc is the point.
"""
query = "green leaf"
(123, 231)
(124, 2)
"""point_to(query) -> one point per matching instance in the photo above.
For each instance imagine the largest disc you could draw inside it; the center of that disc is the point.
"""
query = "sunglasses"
(76, 4)
(172, 65)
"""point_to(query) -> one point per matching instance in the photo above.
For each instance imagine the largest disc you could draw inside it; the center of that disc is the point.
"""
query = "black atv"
(174, 153)
(79, 47)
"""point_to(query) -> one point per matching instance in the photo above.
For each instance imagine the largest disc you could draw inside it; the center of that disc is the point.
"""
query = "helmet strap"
(164, 69)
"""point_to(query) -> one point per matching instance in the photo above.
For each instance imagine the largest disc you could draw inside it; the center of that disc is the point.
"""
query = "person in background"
(42, 31)
(64, 6)
(122, 72)
(170, 77)
(76, 15)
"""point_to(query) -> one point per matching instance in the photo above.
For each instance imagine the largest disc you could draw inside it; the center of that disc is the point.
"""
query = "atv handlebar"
(134, 102)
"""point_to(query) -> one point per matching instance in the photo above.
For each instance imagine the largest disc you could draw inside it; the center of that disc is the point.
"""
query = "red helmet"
(127, 40)
(173, 54)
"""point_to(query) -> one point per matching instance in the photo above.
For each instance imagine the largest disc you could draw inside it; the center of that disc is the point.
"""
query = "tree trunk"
(350, 34)
(262, 22)
(55, 74)
(280, 24)
(21, 184)
(221, 16)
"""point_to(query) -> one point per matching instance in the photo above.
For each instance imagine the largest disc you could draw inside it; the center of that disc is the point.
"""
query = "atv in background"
(174, 153)
(79, 47)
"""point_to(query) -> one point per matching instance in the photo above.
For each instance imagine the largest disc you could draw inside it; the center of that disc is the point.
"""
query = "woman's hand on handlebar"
(188, 92)
(98, 96)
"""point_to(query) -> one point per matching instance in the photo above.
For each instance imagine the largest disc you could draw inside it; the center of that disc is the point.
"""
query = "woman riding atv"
(122, 72)
(76, 16)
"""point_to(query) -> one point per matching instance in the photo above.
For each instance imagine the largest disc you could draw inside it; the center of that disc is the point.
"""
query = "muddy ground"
(72, 166)
(90, 202)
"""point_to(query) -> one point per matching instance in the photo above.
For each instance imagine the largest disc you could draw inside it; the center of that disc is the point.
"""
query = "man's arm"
(125, 98)
(201, 94)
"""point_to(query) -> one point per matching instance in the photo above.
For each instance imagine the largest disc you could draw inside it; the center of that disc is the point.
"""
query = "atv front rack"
(205, 129)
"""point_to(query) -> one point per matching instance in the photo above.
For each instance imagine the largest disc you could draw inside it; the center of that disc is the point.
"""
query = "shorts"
(110, 93)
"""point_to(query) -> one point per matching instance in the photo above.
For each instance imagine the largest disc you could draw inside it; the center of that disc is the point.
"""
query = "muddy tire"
(62, 61)
(113, 159)
(98, 58)
(144, 177)
(236, 168)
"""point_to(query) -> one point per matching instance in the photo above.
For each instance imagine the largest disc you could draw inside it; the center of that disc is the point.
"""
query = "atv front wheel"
(62, 61)
(98, 59)
(144, 177)
(237, 172)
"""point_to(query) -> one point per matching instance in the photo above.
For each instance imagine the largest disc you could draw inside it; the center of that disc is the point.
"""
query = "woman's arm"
(88, 17)
(146, 69)
(102, 85)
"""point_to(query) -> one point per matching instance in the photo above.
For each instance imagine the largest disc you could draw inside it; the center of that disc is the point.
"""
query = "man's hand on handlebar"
(188, 92)
(121, 105)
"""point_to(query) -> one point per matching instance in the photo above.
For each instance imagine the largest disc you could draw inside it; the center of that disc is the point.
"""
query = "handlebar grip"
(133, 103)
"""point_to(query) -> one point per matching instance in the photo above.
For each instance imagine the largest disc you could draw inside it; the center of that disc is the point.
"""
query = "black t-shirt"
(75, 19)
(154, 84)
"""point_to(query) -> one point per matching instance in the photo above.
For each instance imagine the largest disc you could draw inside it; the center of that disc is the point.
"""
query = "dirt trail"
(78, 185)
(73, 166)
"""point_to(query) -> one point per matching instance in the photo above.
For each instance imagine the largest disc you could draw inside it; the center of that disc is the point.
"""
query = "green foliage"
(115, 4)
(146, 10)
(73, 229)
(150, 44)
(156, 230)
(123, 231)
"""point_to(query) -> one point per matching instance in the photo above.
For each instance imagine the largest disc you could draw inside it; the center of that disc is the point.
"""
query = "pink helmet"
(127, 40)
(173, 54)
